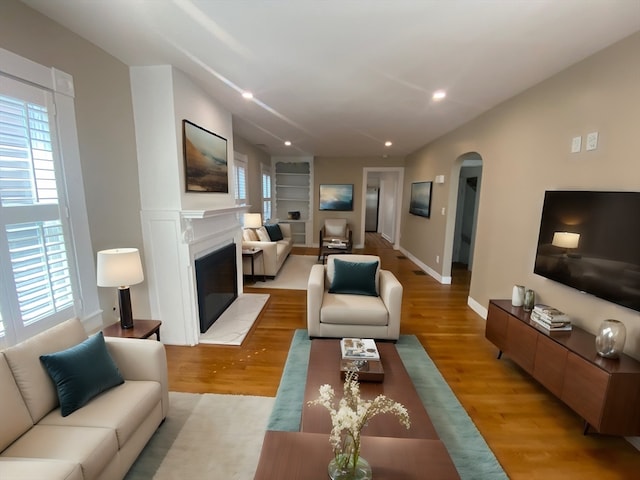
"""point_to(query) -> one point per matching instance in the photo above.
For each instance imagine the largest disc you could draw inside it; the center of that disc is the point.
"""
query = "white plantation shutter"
(266, 193)
(34, 243)
(241, 179)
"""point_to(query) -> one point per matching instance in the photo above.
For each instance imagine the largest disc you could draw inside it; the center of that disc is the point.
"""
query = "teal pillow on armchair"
(81, 372)
(355, 278)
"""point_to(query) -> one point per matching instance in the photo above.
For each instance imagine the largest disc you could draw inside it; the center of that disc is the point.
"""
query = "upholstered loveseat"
(99, 440)
(274, 252)
(351, 296)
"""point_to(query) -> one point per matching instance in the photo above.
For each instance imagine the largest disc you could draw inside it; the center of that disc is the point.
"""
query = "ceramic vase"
(517, 296)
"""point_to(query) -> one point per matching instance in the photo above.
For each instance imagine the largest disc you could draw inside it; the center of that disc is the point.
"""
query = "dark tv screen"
(591, 241)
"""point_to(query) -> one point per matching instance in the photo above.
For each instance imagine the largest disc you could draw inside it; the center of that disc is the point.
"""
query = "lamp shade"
(252, 220)
(119, 267)
(565, 240)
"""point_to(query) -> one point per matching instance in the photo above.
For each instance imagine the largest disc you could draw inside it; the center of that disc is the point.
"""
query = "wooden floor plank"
(533, 435)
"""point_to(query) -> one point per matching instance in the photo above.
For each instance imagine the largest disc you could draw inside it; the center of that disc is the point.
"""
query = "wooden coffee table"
(305, 456)
(392, 451)
(324, 367)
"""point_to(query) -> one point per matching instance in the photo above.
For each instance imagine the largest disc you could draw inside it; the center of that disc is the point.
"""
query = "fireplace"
(216, 284)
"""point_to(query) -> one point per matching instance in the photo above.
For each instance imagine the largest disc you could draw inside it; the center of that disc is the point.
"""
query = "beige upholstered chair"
(335, 230)
(375, 314)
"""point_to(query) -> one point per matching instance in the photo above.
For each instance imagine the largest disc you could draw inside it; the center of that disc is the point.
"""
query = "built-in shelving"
(293, 190)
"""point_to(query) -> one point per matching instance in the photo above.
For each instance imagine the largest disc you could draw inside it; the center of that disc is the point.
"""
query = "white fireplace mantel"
(173, 240)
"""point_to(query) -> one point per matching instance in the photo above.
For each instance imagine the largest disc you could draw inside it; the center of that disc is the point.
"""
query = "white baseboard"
(635, 441)
(426, 269)
(477, 307)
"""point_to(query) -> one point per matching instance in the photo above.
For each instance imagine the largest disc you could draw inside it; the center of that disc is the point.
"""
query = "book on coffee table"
(359, 349)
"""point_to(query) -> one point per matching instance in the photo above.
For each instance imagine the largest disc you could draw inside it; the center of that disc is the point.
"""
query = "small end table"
(141, 329)
(253, 253)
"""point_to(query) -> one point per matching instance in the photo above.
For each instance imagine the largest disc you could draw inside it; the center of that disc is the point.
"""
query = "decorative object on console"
(529, 300)
(120, 267)
(205, 159)
(517, 296)
(295, 215)
(348, 418)
(610, 339)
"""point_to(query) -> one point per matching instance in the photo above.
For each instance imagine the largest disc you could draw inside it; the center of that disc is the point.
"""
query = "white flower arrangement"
(351, 415)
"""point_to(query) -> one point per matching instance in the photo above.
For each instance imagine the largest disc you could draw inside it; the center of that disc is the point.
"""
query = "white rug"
(206, 436)
(236, 321)
(294, 274)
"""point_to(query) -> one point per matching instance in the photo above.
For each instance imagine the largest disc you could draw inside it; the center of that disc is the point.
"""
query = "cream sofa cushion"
(37, 468)
(353, 310)
(122, 409)
(263, 236)
(14, 416)
(92, 447)
(335, 228)
(249, 235)
(36, 387)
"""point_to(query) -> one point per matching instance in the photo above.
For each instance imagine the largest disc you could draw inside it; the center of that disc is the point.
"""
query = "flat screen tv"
(591, 241)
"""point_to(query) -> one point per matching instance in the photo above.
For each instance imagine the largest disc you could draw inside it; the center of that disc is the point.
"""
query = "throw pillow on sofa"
(354, 278)
(82, 372)
(263, 235)
(274, 232)
(249, 235)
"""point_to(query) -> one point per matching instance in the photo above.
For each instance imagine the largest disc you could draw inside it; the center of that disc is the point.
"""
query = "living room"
(524, 144)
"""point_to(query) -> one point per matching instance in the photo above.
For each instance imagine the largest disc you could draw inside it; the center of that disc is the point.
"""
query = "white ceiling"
(339, 78)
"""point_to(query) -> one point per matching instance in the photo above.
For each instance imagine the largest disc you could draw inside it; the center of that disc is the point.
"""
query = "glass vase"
(610, 339)
(362, 470)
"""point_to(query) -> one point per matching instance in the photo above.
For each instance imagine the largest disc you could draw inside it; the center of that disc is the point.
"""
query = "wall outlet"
(443, 210)
(576, 144)
(437, 258)
(592, 141)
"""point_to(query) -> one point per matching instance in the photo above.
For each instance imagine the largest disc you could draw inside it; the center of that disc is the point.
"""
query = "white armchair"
(340, 315)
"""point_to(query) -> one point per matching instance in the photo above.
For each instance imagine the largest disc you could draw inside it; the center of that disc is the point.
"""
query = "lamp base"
(126, 315)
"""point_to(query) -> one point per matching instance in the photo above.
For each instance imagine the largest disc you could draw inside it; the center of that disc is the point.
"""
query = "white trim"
(398, 199)
(425, 268)
(477, 307)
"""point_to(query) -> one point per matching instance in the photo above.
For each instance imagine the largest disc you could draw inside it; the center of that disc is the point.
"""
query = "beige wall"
(105, 130)
(525, 147)
(345, 170)
(255, 158)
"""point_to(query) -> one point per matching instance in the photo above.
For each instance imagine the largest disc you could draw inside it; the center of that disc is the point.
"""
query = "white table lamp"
(120, 267)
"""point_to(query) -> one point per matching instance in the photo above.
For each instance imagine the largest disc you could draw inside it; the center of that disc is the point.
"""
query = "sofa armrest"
(391, 295)
(269, 256)
(315, 293)
(141, 360)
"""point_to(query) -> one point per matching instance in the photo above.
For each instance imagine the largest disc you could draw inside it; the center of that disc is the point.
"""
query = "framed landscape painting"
(205, 159)
(336, 197)
(420, 203)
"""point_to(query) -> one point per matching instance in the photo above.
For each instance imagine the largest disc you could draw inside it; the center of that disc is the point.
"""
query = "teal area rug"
(470, 453)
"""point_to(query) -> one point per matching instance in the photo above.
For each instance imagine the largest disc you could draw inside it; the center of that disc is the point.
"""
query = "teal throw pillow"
(82, 372)
(355, 278)
(274, 232)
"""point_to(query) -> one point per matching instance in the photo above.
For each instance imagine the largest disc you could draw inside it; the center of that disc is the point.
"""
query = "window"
(40, 254)
(266, 193)
(240, 162)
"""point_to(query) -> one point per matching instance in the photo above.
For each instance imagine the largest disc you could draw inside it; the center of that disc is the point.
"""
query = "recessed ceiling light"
(388, 143)
(439, 95)
(287, 143)
(247, 95)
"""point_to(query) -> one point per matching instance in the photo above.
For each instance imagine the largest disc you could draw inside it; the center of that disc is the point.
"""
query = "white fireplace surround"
(173, 240)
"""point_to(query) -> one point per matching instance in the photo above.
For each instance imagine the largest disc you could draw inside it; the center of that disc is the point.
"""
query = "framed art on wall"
(336, 197)
(420, 203)
(205, 159)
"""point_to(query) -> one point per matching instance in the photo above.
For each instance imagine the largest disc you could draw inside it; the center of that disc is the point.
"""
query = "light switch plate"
(576, 144)
(592, 141)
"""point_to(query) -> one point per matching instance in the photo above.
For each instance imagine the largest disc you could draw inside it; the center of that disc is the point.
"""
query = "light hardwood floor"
(533, 435)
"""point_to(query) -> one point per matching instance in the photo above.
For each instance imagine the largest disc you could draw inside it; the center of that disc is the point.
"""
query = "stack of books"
(359, 349)
(551, 319)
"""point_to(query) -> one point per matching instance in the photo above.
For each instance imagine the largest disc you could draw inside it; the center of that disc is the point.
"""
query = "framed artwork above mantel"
(205, 159)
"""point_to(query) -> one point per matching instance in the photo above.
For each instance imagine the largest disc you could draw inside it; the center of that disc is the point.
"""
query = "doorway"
(468, 196)
(372, 206)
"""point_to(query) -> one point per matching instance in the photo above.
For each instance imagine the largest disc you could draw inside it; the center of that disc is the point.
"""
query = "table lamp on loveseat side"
(120, 267)
(252, 220)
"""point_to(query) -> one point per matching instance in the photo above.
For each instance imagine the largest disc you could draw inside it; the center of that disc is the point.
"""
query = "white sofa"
(340, 315)
(100, 440)
(273, 253)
